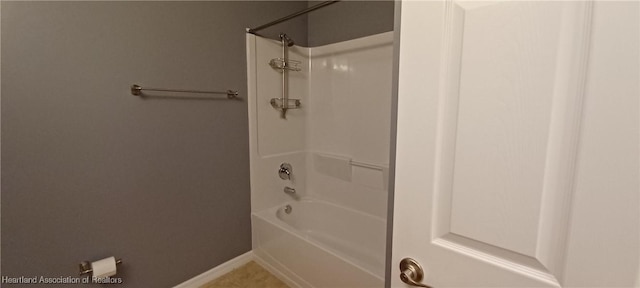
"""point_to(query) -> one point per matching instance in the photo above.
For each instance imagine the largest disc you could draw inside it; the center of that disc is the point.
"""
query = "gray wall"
(349, 20)
(90, 171)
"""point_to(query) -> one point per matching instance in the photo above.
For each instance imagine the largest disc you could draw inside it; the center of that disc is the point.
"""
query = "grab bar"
(367, 165)
(136, 90)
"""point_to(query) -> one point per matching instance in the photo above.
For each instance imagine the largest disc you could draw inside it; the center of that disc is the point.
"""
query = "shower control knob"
(411, 272)
(285, 171)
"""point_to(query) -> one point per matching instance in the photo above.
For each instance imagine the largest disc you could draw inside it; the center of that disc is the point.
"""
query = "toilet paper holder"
(85, 266)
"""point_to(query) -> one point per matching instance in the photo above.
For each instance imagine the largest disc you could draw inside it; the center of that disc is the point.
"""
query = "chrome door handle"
(411, 272)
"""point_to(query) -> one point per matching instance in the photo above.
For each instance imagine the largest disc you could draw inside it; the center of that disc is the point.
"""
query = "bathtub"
(320, 244)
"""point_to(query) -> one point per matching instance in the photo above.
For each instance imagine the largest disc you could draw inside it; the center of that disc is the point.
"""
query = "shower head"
(285, 39)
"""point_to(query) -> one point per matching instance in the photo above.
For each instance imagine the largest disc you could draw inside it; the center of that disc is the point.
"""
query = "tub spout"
(289, 190)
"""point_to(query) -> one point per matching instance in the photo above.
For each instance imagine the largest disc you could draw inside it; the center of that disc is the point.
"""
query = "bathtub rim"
(273, 209)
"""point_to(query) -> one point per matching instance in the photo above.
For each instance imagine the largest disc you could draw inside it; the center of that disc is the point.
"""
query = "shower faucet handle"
(285, 171)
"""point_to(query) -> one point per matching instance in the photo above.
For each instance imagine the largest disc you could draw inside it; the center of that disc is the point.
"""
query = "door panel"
(491, 98)
(514, 102)
(504, 103)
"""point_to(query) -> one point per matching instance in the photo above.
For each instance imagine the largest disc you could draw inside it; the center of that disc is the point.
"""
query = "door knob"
(411, 272)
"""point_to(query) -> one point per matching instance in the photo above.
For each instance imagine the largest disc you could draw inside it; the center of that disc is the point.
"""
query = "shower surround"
(338, 146)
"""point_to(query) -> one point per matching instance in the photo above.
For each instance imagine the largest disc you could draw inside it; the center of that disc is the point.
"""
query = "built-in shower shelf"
(279, 104)
(285, 64)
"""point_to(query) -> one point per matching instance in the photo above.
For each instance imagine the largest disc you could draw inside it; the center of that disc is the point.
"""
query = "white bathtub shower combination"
(331, 232)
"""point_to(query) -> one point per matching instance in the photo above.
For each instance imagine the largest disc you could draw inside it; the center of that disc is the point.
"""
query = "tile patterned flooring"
(250, 275)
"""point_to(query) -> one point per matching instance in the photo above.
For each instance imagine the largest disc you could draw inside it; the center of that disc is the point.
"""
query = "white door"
(518, 143)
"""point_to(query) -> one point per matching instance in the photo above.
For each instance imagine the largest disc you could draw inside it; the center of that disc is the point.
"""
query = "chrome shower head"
(285, 38)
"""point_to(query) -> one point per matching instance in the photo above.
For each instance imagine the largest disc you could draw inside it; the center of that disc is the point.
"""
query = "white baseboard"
(217, 271)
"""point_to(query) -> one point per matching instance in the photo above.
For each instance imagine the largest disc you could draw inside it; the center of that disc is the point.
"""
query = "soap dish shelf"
(285, 64)
(278, 103)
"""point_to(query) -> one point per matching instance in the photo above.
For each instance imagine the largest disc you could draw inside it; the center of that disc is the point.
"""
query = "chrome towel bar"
(368, 165)
(136, 90)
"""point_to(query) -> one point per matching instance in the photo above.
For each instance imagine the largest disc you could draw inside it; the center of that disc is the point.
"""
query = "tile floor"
(250, 275)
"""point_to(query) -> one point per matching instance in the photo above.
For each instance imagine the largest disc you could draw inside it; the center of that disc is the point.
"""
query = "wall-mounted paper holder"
(85, 267)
